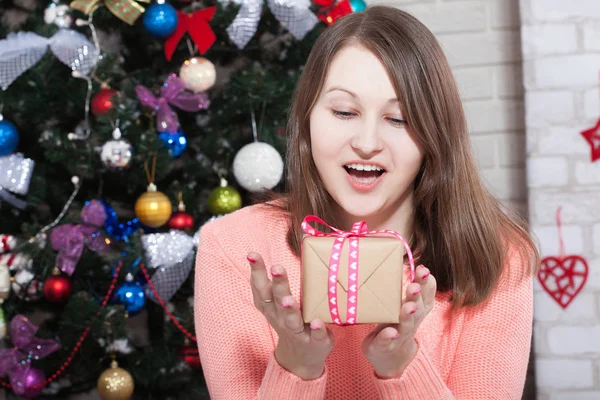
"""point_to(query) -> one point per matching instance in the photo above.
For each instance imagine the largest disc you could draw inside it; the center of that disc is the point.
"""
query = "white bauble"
(258, 166)
(58, 15)
(116, 154)
(198, 74)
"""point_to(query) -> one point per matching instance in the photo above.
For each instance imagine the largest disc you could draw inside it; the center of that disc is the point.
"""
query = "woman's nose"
(366, 141)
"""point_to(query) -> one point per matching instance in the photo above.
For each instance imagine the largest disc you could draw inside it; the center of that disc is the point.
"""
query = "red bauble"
(181, 220)
(102, 101)
(189, 354)
(57, 288)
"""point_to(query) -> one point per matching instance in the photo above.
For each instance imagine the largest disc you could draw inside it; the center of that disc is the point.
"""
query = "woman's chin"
(359, 211)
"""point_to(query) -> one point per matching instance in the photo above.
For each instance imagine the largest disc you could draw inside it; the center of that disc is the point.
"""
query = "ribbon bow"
(69, 239)
(294, 15)
(21, 51)
(330, 11)
(196, 24)
(359, 229)
(15, 361)
(172, 255)
(15, 176)
(127, 11)
(172, 92)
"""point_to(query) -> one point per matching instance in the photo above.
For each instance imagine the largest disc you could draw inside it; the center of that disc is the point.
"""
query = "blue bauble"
(357, 5)
(160, 20)
(9, 138)
(175, 142)
(131, 295)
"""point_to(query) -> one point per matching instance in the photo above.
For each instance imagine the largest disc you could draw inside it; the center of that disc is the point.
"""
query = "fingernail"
(414, 310)
(250, 259)
(274, 273)
(396, 336)
(416, 292)
(285, 305)
(426, 275)
(312, 328)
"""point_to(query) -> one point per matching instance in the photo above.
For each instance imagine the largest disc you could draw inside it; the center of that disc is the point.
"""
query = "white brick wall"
(561, 62)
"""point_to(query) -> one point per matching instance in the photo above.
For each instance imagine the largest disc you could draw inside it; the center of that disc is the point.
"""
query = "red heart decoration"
(563, 278)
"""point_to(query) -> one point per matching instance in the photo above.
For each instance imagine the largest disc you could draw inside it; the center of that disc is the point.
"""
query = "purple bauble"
(30, 384)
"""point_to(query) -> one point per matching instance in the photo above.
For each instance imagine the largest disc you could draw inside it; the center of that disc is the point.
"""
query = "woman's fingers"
(284, 301)
(260, 282)
(429, 287)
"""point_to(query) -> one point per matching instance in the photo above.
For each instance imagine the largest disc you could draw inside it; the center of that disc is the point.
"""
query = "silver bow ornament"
(172, 256)
(21, 51)
(15, 176)
(294, 15)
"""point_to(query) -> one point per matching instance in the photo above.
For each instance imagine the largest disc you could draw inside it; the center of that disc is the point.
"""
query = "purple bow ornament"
(70, 239)
(173, 93)
(16, 361)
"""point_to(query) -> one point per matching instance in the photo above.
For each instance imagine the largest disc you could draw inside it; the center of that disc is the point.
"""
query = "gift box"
(353, 277)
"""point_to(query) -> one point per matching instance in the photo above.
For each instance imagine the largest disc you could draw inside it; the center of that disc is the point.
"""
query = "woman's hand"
(390, 348)
(302, 349)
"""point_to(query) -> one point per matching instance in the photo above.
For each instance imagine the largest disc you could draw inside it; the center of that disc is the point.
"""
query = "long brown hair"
(461, 233)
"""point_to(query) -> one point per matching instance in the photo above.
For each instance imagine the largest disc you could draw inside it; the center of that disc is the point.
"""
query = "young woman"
(377, 134)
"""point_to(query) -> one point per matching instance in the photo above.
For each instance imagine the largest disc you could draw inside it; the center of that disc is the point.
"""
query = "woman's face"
(361, 144)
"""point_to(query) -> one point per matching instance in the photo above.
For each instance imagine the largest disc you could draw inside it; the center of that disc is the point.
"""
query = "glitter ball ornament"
(9, 137)
(181, 219)
(115, 383)
(131, 295)
(258, 166)
(102, 102)
(357, 5)
(153, 208)
(224, 199)
(160, 20)
(175, 142)
(198, 74)
(116, 153)
(57, 287)
(30, 384)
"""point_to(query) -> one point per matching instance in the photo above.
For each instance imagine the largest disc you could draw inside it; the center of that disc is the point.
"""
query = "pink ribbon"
(359, 229)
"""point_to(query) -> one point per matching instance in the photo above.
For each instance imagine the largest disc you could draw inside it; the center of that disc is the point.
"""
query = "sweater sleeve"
(235, 342)
(491, 357)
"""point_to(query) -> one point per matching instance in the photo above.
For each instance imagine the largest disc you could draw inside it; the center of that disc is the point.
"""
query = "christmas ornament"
(118, 230)
(115, 383)
(116, 153)
(190, 355)
(153, 208)
(592, 136)
(358, 5)
(7, 242)
(330, 10)
(131, 295)
(175, 142)
(4, 283)
(25, 286)
(29, 383)
(9, 137)
(70, 239)
(160, 20)
(15, 261)
(258, 166)
(57, 287)
(563, 277)
(294, 15)
(21, 51)
(196, 24)
(57, 14)
(181, 219)
(198, 74)
(172, 256)
(224, 199)
(102, 102)
(15, 176)
(127, 11)
(172, 92)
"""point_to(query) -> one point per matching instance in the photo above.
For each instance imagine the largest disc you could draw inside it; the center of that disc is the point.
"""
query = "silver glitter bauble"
(258, 166)
(117, 154)
(58, 14)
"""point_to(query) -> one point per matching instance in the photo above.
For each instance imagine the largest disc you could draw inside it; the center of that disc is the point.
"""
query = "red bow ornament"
(331, 11)
(196, 24)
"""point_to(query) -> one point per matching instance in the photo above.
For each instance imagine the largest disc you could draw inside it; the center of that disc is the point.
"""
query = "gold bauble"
(224, 199)
(115, 384)
(198, 74)
(153, 208)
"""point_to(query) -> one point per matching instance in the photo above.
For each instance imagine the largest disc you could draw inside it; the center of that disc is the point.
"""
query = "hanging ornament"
(7, 243)
(592, 136)
(190, 355)
(57, 287)
(102, 102)
(127, 11)
(131, 295)
(115, 383)
(9, 137)
(196, 24)
(15, 176)
(15, 261)
(563, 277)
(294, 15)
(117, 153)
(153, 208)
(116, 229)
(257, 166)
(58, 14)
(172, 92)
(160, 19)
(181, 219)
(198, 74)
(175, 142)
(25, 286)
(224, 199)
(330, 10)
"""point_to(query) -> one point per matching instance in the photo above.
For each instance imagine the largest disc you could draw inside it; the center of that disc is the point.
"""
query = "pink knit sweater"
(475, 353)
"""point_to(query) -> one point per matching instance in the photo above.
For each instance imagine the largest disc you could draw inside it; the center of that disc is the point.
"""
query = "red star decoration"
(592, 136)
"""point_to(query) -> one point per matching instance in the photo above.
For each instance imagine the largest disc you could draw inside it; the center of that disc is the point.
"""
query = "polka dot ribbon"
(359, 229)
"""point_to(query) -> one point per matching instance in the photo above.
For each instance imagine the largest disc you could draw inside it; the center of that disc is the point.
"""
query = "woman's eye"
(397, 121)
(343, 114)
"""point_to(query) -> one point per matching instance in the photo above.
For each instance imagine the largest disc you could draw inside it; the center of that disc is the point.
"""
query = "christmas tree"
(126, 126)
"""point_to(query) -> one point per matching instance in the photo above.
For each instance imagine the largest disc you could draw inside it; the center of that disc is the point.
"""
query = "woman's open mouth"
(364, 176)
